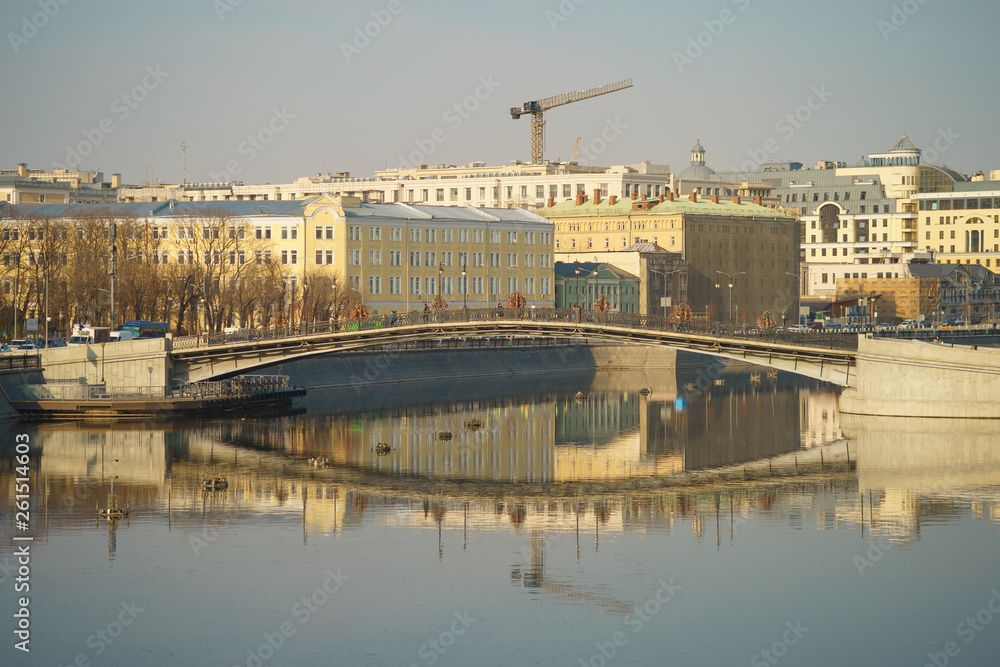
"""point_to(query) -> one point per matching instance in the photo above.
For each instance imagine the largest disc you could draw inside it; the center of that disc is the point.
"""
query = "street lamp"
(799, 278)
(465, 287)
(732, 277)
(577, 271)
(440, 289)
(665, 297)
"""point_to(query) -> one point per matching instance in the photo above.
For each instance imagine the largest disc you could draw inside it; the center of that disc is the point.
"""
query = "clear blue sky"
(230, 69)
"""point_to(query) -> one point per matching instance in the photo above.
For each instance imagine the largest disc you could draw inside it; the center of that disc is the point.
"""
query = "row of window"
(446, 285)
(970, 204)
(793, 197)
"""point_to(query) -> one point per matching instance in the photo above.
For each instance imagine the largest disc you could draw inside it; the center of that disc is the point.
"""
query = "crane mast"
(538, 107)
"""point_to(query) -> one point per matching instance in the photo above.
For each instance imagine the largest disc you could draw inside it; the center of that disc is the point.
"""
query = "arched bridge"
(827, 356)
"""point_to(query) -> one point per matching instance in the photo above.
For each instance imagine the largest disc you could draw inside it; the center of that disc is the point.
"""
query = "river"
(720, 517)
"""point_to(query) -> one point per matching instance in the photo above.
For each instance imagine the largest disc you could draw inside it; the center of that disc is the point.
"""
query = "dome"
(863, 162)
(698, 148)
(699, 171)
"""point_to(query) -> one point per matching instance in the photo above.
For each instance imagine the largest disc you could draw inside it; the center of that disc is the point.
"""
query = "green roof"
(704, 206)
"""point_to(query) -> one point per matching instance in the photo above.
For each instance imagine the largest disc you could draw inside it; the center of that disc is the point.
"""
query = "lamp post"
(799, 278)
(732, 277)
(665, 296)
(577, 271)
(465, 287)
(440, 289)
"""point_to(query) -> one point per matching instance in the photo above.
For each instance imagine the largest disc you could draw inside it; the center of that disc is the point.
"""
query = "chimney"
(22, 169)
(635, 206)
(580, 198)
(736, 200)
(715, 199)
(613, 199)
(116, 180)
(757, 200)
(693, 196)
(670, 196)
(551, 202)
(662, 198)
(635, 195)
(597, 195)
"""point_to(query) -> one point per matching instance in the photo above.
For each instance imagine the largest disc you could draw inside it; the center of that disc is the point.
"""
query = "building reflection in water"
(907, 471)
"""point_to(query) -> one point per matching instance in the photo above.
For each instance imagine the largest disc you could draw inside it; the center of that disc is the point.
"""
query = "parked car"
(120, 336)
(27, 345)
(4, 347)
(51, 342)
(884, 325)
(908, 324)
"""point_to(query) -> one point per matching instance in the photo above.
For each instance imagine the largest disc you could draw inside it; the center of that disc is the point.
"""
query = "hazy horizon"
(327, 87)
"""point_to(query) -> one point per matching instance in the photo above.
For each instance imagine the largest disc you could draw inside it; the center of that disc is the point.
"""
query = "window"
(477, 259)
(375, 258)
(237, 232)
(414, 235)
(209, 232)
(260, 232)
(395, 285)
(463, 236)
(439, 194)
(210, 257)
(529, 260)
(546, 261)
(414, 258)
(463, 259)
(262, 256)
(495, 259)
(511, 284)
(430, 286)
(236, 257)
(353, 233)
(512, 259)
(415, 285)
(494, 236)
(395, 258)
(374, 233)
(446, 258)
(430, 259)
(374, 284)
(477, 285)
(477, 236)
(354, 257)
(395, 234)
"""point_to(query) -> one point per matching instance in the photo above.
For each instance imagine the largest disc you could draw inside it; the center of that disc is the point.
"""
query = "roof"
(947, 271)
(171, 208)
(697, 171)
(400, 211)
(589, 269)
(623, 207)
(646, 246)
(904, 145)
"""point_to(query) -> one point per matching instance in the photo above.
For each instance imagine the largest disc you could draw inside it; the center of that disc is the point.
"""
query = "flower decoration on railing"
(603, 304)
(683, 313)
(516, 300)
(439, 303)
(359, 312)
(765, 321)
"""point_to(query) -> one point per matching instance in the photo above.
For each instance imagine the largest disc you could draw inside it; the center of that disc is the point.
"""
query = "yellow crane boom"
(537, 107)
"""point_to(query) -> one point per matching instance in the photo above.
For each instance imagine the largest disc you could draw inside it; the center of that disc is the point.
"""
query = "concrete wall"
(135, 363)
(919, 379)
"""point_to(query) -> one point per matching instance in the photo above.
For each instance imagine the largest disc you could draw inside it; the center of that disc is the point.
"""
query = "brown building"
(894, 298)
(741, 257)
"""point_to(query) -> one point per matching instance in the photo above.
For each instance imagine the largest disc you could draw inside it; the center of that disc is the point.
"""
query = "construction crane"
(538, 107)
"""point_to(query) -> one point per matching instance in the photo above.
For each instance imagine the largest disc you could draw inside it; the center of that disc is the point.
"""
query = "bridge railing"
(525, 316)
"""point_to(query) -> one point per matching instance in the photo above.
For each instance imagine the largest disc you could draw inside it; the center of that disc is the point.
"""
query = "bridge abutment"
(908, 378)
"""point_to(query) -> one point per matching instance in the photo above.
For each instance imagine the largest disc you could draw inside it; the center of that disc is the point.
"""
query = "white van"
(121, 336)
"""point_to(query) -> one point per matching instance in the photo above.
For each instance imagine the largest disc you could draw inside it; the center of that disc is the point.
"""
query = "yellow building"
(962, 227)
(207, 266)
(741, 257)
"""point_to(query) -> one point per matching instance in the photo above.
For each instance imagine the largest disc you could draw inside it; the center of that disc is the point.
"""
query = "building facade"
(582, 284)
(257, 264)
(741, 258)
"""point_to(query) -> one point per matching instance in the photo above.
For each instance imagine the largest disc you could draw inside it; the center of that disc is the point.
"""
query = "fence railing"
(658, 323)
(13, 361)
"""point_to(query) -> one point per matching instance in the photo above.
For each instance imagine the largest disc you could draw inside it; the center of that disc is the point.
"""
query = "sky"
(267, 92)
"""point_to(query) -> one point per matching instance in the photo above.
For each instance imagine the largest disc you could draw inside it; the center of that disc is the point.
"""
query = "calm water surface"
(721, 518)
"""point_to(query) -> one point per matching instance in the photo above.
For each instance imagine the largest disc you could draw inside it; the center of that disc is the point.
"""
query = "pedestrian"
(427, 312)
(499, 310)
(532, 310)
